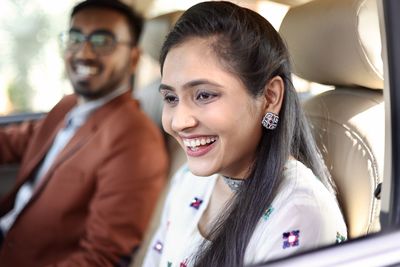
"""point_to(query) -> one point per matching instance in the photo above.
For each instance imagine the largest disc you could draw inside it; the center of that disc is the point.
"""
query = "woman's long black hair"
(250, 48)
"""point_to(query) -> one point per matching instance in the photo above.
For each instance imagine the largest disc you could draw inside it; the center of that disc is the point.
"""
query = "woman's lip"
(200, 150)
(194, 136)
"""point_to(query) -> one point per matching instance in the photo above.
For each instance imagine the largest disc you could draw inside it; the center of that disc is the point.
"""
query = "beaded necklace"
(234, 184)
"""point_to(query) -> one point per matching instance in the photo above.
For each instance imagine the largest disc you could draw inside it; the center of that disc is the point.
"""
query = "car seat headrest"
(154, 32)
(335, 42)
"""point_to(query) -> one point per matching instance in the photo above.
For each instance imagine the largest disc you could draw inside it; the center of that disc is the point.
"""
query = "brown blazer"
(94, 204)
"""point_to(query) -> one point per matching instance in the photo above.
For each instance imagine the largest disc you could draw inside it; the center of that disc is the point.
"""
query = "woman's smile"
(199, 146)
(209, 111)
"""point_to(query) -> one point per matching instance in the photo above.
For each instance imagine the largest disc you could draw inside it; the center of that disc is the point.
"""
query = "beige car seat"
(153, 36)
(154, 32)
(337, 42)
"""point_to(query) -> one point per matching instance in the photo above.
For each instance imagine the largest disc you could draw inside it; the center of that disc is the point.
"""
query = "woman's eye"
(170, 99)
(204, 96)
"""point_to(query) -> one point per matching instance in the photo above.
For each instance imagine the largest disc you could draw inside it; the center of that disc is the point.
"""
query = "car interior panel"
(9, 171)
(348, 254)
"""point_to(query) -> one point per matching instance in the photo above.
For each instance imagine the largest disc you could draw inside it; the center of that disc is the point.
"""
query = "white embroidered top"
(303, 215)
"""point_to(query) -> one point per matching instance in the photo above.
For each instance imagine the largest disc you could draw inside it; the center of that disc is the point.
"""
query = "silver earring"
(270, 121)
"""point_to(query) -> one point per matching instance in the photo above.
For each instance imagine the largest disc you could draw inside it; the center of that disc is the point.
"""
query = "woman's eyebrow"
(165, 87)
(190, 84)
(200, 82)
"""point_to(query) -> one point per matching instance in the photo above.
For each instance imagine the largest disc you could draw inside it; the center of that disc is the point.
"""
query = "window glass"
(31, 68)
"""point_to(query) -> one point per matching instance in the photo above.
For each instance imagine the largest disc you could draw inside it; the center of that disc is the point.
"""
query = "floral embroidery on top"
(291, 239)
(196, 202)
(267, 213)
(158, 247)
(184, 263)
(340, 238)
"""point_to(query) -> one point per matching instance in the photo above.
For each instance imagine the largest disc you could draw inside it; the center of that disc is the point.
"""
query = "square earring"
(270, 121)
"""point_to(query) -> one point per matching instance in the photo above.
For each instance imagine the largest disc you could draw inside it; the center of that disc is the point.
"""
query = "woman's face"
(209, 111)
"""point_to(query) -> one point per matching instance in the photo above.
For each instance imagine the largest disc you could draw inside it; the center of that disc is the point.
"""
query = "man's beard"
(83, 89)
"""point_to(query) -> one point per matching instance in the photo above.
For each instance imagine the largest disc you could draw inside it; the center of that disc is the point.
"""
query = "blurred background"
(32, 77)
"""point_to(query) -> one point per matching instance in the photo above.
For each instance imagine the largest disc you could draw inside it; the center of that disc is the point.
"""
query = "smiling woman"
(203, 96)
(255, 187)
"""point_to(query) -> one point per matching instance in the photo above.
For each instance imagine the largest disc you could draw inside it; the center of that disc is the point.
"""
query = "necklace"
(234, 184)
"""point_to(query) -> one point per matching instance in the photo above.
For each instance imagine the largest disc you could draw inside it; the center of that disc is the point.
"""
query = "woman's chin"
(199, 170)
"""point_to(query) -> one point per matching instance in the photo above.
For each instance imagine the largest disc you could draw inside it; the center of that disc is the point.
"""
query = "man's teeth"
(86, 70)
(198, 141)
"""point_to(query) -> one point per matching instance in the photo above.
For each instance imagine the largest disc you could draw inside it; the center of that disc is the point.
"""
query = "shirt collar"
(80, 113)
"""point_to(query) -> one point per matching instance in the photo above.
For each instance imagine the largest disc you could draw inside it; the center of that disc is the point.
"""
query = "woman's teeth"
(196, 142)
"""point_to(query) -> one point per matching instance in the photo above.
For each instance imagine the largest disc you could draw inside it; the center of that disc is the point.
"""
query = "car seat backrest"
(154, 32)
(337, 42)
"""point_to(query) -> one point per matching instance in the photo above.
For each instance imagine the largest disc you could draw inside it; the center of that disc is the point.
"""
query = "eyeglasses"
(102, 42)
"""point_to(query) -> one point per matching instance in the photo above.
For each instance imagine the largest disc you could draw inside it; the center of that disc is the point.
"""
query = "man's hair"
(135, 21)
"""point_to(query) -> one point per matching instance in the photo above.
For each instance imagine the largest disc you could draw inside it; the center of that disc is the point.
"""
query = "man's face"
(93, 72)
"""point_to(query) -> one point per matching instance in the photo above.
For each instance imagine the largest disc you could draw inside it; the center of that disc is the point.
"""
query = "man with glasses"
(93, 167)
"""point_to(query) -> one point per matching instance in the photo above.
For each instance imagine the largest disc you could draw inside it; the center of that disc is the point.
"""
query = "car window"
(32, 77)
(29, 52)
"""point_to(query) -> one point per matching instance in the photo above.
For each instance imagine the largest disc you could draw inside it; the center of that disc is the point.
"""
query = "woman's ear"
(135, 56)
(273, 93)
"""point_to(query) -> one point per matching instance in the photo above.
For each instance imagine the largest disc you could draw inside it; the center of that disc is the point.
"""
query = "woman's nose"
(183, 118)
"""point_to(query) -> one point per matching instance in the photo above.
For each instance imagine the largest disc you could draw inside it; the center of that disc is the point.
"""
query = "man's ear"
(135, 56)
(273, 93)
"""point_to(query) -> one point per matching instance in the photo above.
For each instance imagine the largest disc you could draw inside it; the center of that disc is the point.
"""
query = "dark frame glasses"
(102, 42)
